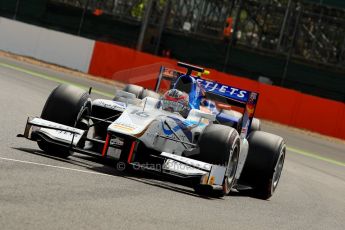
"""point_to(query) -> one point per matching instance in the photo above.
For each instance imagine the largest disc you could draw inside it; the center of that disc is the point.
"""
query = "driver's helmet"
(176, 101)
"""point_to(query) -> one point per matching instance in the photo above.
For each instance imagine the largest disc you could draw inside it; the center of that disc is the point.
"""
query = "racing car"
(185, 128)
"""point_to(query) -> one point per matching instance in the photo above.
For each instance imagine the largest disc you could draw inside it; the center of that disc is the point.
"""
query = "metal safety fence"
(271, 25)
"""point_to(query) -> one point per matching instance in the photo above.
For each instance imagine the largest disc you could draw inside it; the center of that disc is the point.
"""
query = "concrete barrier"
(47, 45)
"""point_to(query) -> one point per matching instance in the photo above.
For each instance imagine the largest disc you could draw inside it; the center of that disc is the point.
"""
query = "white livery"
(208, 143)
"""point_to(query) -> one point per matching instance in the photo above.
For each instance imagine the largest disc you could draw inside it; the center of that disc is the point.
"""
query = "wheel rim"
(231, 170)
(278, 169)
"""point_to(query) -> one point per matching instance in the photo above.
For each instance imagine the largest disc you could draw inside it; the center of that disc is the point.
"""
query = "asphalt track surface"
(38, 191)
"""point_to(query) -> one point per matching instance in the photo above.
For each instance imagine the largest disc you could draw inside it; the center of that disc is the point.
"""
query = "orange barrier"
(320, 115)
(108, 59)
(342, 125)
(124, 64)
(277, 104)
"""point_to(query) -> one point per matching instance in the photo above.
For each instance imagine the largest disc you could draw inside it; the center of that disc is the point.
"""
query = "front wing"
(38, 129)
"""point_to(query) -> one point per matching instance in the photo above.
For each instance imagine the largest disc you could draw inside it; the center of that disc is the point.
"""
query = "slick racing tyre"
(150, 93)
(256, 125)
(264, 163)
(65, 105)
(234, 114)
(139, 92)
(220, 145)
(134, 89)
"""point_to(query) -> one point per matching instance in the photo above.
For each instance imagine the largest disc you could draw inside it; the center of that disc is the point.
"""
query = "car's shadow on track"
(107, 167)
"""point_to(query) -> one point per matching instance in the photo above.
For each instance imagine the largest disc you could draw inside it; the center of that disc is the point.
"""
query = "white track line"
(54, 166)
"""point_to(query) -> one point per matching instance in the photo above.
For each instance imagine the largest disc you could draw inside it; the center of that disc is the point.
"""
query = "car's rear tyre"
(256, 125)
(220, 145)
(65, 105)
(234, 114)
(264, 163)
(150, 93)
(134, 89)
(139, 92)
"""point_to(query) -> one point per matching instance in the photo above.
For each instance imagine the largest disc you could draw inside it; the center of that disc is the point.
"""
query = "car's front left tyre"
(220, 145)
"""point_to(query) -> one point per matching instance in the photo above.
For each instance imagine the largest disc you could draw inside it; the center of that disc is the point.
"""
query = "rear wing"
(215, 91)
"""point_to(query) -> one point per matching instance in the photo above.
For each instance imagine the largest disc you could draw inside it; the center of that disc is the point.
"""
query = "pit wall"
(119, 63)
(278, 104)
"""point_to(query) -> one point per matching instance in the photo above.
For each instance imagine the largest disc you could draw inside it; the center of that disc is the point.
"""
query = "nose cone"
(133, 121)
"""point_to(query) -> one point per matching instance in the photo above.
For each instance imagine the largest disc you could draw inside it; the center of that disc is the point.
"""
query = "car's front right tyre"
(65, 105)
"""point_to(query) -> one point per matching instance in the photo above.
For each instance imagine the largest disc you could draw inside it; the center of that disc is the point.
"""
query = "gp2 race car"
(210, 144)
